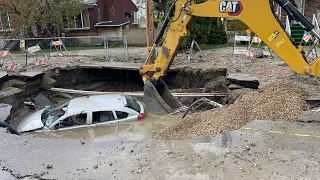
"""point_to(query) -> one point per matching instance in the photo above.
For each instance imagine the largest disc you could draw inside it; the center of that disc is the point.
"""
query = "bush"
(217, 36)
(205, 31)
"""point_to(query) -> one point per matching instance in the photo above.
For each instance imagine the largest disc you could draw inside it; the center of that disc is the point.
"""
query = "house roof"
(90, 2)
(135, 5)
(111, 24)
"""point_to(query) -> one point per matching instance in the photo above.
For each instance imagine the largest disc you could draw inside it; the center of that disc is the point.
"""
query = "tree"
(160, 7)
(207, 30)
(204, 30)
(48, 17)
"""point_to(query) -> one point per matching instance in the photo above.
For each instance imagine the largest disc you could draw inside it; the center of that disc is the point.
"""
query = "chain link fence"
(31, 50)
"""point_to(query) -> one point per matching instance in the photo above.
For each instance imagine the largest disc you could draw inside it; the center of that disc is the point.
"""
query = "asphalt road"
(260, 150)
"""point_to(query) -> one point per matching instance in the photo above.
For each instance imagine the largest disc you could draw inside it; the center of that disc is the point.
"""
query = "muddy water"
(6, 175)
(124, 152)
(135, 130)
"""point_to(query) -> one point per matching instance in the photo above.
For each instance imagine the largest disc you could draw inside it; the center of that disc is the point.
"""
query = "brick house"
(309, 7)
(98, 17)
(104, 18)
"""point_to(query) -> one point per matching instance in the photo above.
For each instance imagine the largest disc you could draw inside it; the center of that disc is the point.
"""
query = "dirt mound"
(277, 101)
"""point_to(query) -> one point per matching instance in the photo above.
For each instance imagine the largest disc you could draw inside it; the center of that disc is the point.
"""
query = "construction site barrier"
(39, 60)
(256, 40)
(4, 54)
(103, 43)
(58, 46)
(6, 67)
(250, 54)
(10, 67)
(307, 38)
(252, 51)
(63, 53)
(42, 62)
(242, 38)
(241, 51)
(57, 43)
(34, 49)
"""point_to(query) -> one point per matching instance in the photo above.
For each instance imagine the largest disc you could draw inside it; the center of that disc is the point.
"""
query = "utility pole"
(150, 29)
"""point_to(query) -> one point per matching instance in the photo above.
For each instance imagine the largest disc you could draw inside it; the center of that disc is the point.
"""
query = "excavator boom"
(258, 15)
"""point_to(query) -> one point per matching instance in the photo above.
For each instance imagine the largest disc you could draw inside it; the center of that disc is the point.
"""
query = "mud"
(16, 91)
(131, 154)
(20, 88)
(259, 150)
(200, 81)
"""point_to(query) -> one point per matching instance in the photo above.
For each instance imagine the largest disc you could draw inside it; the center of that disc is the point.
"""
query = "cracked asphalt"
(260, 150)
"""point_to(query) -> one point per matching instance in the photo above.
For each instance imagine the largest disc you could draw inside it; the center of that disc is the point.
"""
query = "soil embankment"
(277, 101)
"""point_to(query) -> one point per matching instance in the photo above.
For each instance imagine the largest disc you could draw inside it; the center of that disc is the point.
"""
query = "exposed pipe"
(10, 128)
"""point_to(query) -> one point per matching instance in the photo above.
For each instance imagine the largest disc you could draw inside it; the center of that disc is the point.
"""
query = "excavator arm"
(256, 14)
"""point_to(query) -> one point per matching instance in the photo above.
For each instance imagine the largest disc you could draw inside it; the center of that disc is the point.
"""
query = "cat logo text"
(233, 8)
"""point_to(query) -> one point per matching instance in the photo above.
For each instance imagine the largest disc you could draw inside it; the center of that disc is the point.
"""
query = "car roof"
(96, 101)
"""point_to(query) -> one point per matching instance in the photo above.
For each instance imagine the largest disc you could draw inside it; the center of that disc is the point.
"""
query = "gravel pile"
(277, 101)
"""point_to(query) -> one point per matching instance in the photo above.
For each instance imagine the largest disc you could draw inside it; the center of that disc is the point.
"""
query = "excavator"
(258, 15)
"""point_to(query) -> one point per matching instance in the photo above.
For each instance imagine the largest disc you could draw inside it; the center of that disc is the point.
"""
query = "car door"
(103, 117)
(124, 116)
(74, 121)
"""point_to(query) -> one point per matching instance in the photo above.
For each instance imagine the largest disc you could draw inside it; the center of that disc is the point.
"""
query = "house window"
(135, 18)
(85, 18)
(5, 21)
(81, 21)
(100, 15)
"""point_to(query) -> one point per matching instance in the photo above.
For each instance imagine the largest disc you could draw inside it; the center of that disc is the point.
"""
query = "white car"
(84, 111)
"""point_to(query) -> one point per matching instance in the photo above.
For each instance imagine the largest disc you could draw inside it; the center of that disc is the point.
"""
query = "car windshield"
(50, 115)
(132, 104)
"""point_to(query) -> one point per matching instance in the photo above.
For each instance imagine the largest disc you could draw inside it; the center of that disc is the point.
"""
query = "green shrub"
(205, 31)
(217, 36)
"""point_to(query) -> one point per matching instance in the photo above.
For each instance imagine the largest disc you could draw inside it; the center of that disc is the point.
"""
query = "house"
(117, 18)
(98, 17)
(309, 8)
(104, 18)
(306, 7)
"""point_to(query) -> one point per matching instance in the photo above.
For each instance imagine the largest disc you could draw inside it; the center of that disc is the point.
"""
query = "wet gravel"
(277, 101)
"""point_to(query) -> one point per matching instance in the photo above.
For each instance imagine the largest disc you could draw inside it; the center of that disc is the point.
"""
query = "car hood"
(32, 122)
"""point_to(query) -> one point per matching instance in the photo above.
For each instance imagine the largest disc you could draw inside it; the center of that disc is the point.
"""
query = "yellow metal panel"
(256, 14)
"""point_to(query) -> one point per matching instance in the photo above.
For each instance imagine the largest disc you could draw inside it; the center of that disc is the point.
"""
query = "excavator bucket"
(158, 99)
